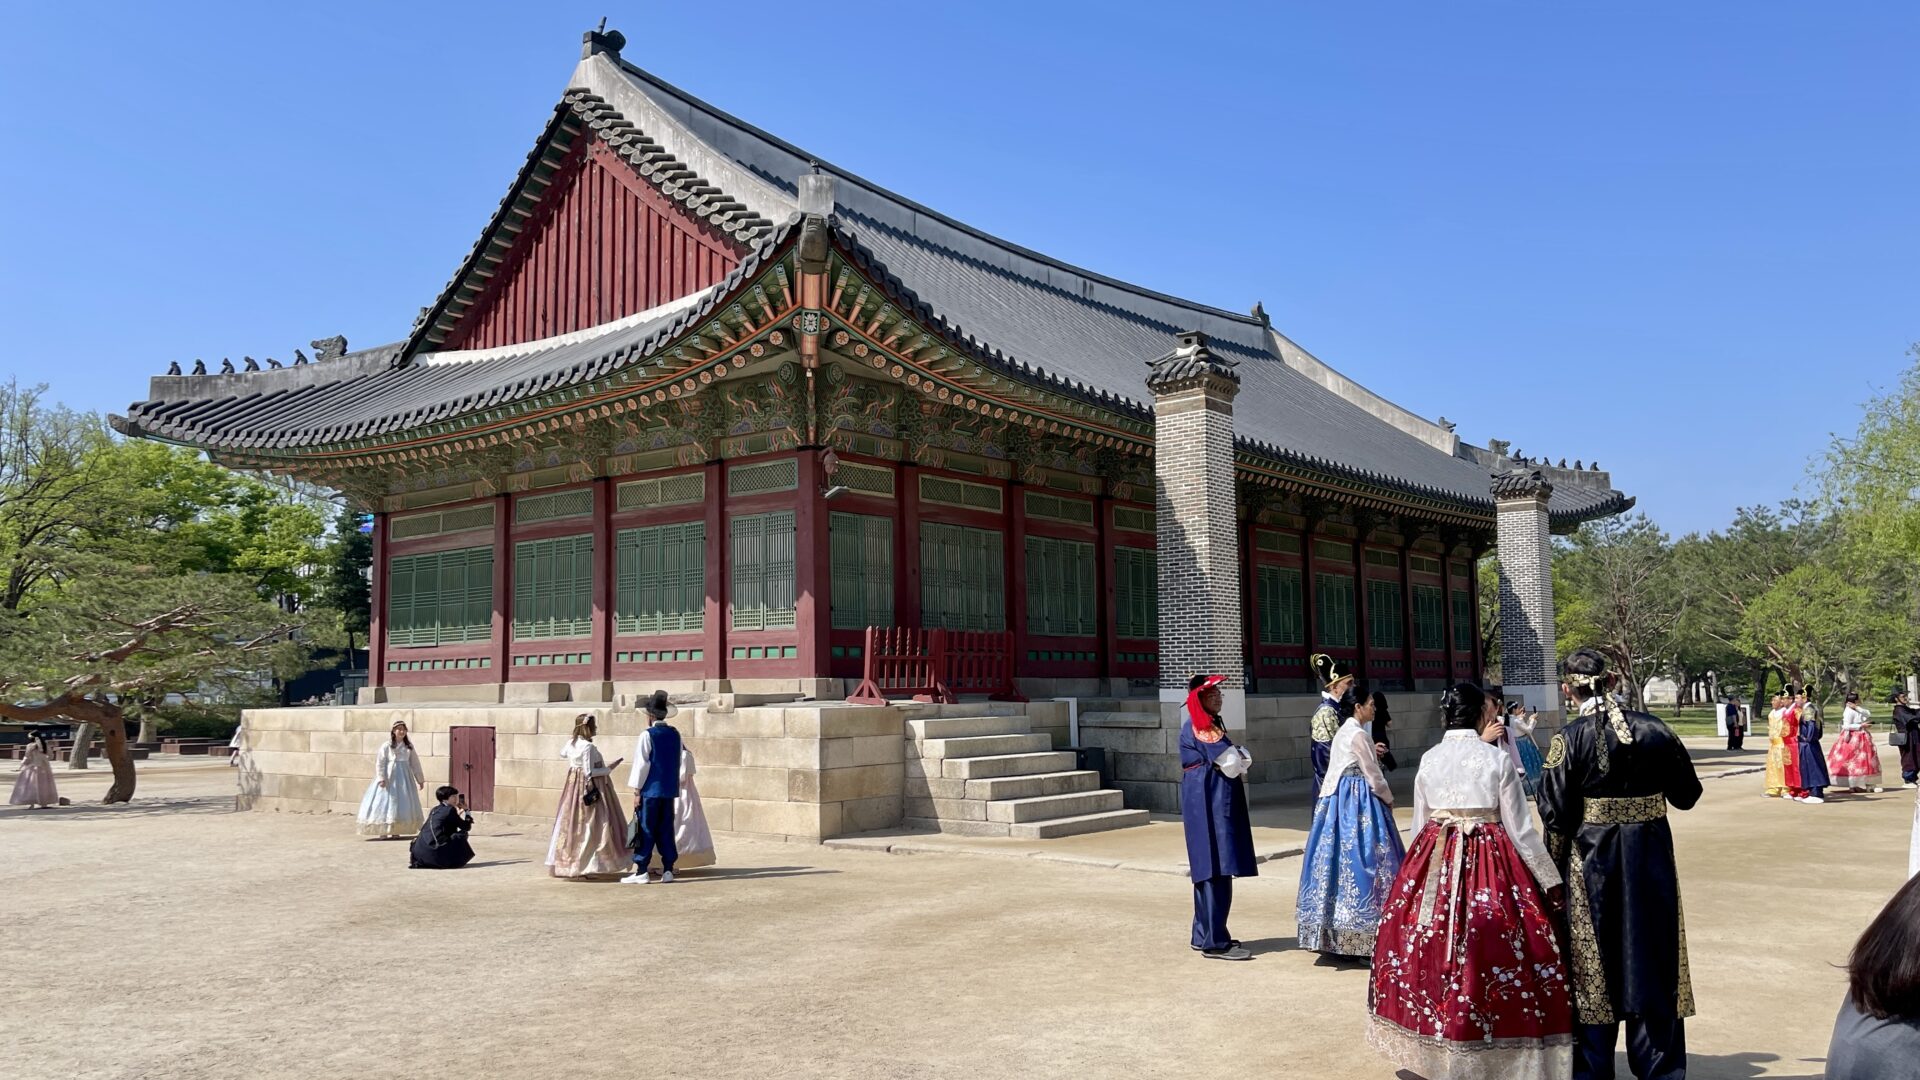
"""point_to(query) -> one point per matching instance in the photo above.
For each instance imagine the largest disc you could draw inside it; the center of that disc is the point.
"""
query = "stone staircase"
(981, 770)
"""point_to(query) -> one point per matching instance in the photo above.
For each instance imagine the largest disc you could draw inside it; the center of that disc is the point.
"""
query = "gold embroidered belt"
(1627, 811)
(1462, 824)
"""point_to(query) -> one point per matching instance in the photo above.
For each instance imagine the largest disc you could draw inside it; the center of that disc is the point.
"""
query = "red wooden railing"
(935, 665)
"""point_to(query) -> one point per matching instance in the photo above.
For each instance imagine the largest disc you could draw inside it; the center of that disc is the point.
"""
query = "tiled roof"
(362, 394)
(1034, 318)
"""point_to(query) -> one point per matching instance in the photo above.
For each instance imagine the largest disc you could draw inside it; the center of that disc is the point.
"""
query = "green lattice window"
(1386, 626)
(1462, 620)
(440, 597)
(1333, 610)
(1060, 588)
(660, 579)
(1283, 617)
(862, 585)
(763, 589)
(1429, 624)
(1136, 592)
(553, 588)
(962, 578)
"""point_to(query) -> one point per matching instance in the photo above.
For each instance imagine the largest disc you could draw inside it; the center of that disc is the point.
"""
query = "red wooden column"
(1473, 613)
(1406, 603)
(1360, 628)
(1249, 606)
(906, 560)
(1309, 598)
(501, 646)
(812, 569)
(1103, 574)
(1446, 607)
(377, 603)
(603, 559)
(713, 614)
(1014, 551)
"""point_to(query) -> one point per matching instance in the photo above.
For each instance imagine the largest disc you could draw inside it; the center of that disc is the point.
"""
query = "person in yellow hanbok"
(1781, 741)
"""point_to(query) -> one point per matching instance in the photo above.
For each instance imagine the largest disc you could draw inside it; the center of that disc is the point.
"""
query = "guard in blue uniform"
(1213, 808)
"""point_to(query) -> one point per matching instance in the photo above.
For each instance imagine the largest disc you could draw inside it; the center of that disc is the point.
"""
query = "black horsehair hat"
(1330, 670)
(657, 706)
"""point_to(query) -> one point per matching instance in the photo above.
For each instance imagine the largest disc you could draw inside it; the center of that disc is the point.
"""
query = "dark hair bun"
(1462, 705)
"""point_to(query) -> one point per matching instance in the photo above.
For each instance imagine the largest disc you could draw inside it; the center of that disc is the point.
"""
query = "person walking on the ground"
(35, 786)
(1854, 760)
(1353, 850)
(1468, 980)
(1906, 722)
(1336, 683)
(442, 843)
(1611, 774)
(1813, 763)
(1213, 813)
(589, 829)
(1736, 725)
(391, 806)
(669, 828)
(1877, 1035)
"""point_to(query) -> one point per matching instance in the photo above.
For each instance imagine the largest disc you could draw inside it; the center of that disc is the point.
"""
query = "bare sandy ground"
(176, 938)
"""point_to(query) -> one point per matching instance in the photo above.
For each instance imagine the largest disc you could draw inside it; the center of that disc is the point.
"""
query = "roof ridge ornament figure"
(199, 367)
(226, 366)
(252, 364)
(173, 368)
(299, 358)
(330, 348)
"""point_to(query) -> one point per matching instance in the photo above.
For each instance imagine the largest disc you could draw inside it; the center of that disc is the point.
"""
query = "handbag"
(592, 795)
(1898, 738)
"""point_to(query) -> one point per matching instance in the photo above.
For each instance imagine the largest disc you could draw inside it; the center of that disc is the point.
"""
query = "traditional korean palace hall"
(699, 411)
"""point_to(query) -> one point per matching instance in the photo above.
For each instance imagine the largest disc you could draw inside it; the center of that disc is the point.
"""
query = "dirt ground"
(177, 938)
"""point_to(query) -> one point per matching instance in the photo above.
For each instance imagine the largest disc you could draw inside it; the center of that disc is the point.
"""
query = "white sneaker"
(666, 876)
(1877, 789)
(638, 877)
(1814, 799)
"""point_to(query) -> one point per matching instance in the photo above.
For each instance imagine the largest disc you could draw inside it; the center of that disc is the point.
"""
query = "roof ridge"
(920, 208)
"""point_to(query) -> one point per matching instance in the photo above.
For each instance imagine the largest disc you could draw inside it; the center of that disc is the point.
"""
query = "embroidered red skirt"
(1468, 980)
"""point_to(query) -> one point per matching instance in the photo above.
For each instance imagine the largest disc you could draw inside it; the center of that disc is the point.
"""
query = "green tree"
(1724, 573)
(1827, 624)
(344, 584)
(1616, 574)
(111, 636)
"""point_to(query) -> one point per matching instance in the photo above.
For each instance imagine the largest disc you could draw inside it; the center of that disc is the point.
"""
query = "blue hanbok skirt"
(1353, 854)
(1530, 764)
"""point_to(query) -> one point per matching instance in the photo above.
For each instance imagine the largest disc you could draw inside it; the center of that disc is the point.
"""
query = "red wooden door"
(470, 760)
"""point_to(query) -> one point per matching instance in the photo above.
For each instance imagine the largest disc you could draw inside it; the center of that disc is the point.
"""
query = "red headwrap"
(1195, 712)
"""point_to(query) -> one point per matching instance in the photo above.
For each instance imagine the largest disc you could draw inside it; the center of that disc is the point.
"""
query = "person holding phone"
(442, 843)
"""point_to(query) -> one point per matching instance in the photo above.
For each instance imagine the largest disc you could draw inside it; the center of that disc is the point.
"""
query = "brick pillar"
(1198, 531)
(1527, 660)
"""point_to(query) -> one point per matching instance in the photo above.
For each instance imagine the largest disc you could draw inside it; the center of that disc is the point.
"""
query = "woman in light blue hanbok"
(1354, 849)
(1520, 722)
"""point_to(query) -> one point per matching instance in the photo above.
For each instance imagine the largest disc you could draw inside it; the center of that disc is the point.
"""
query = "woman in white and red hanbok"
(1468, 981)
(1854, 760)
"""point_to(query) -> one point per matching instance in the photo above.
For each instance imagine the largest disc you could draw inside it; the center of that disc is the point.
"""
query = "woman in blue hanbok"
(1353, 850)
(1213, 810)
(1520, 722)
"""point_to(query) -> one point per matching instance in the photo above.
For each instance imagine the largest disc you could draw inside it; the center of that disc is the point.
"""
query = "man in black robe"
(1610, 775)
(1906, 718)
(442, 843)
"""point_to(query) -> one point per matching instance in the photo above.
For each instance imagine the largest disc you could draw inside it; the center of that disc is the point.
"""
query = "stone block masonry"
(1527, 661)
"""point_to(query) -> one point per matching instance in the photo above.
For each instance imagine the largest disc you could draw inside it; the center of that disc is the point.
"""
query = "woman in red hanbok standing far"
(1854, 761)
(1468, 980)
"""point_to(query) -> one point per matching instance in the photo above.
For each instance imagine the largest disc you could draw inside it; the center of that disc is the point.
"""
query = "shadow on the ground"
(712, 873)
(1265, 946)
(497, 862)
(1741, 1066)
(139, 807)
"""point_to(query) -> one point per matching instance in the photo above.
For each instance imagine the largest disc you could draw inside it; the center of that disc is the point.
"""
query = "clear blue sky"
(1678, 238)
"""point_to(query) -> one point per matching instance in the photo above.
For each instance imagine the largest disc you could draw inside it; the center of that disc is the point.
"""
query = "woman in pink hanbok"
(35, 786)
(1854, 760)
(589, 829)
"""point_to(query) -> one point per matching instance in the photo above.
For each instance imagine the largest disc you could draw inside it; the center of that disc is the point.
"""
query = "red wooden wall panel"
(602, 244)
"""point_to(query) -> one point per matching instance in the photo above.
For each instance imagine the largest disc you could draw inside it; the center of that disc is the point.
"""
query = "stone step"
(1028, 787)
(1049, 807)
(980, 768)
(1129, 705)
(1121, 719)
(922, 710)
(1075, 826)
(959, 828)
(982, 745)
(958, 727)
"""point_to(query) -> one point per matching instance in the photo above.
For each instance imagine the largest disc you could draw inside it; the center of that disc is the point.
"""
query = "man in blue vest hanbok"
(656, 787)
(1213, 809)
